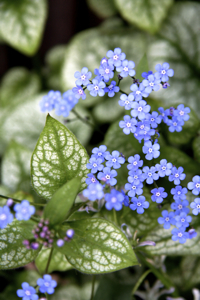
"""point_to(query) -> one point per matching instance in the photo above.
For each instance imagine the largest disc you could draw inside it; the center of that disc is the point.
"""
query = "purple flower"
(96, 88)
(139, 204)
(23, 210)
(126, 101)
(128, 124)
(195, 205)
(114, 200)
(70, 98)
(111, 89)
(79, 92)
(46, 284)
(95, 164)
(182, 112)
(138, 91)
(5, 216)
(195, 185)
(82, 77)
(158, 194)
(177, 175)
(134, 162)
(164, 168)
(70, 233)
(140, 109)
(151, 83)
(183, 220)
(106, 71)
(163, 72)
(179, 234)
(114, 160)
(28, 292)
(134, 189)
(150, 174)
(94, 192)
(100, 152)
(179, 192)
(108, 176)
(126, 68)
(116, 57)
(167, 219)
(150, 150)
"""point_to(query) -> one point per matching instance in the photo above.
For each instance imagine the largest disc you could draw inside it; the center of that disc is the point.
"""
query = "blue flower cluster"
(23, 211)
(45, 284)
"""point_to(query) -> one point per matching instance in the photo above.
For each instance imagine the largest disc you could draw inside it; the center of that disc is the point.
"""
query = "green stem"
(115, 216)
(35, 219)
(93, 284)
(17, 200)
(123, 92)
(86, 121)
(140, 280)
(48, 262)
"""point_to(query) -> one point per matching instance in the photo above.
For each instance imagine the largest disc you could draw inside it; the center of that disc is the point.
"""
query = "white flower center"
(80, 92)
(197, 185)
(139, 108)
(157, 194)
(163, 72)
(133, 187)
(163, 168)
(180, 234)
(28, 293)
(113, 199)
(138, 92)
(149, 174)
(181, 113)
(94, 165)
(93, 179)
(135, 163)
(176, 175)
(198, 205)
(115, 57)
(83, 77)
(96, 87)
(180, 206)
(175, 124)
(114, 160)
(151, 83)
(107, 176)
(128, 124)
(167, 219)
(125, 69)
(179, 193)
(150, 150)
(182, 220)
(139, 204)
(107, 71)
(3, 217)
(46, 284)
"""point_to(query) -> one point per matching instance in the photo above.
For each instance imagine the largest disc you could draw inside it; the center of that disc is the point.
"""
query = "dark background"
(65, 18)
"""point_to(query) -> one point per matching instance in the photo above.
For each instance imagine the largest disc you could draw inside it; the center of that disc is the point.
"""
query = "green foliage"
(58, 261)
(143, 66)
(98, 246)
(58, 157)
(103, 8)
(22, 23)
(13, 252)
(146, 14)
(196, 148)
(56, 209)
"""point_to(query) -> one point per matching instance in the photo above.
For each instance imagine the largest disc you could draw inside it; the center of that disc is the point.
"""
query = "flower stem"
(93, 284)
(48, 262)
(17, 200)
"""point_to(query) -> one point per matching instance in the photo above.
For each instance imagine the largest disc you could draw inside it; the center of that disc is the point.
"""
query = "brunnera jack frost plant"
(61, 169)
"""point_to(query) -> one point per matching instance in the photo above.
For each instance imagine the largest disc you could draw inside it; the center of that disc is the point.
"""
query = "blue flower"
(23, 210)
(108, 176)
(134, 189)
(28, 292)
(79, 92)
(126, 68)
(150, 174)
(128, 124)
(180, 206)
(140, 109)
(70, 233)
(104, 60)
(94, 191)
(126, 101)
(49, 101)
(195, 205)
(114, 200)
(114, 160)
(111, 89)
(192, 233)
(182, 112)
(96, 88)
(164, 168)
(95, 164)
(70, 98)
(116, 57)
(164, 114)
(139, 204)
(167, 219)
(82, 77)
(151, 83)
(135, 176)
(177, 175)
(145, 74)
(179, 192)
(183, 220)
(163, 72)
(91, 179)
(154, 119)
(46, 284)
(106, 71)
(134, 162)
(62, 108)
(5, 216)
(126, 199)
(100, 152)
(195, 185)
(175, 124)
(180, 235)
(144, 130)
(150, 150)
(138, 91)
(158, 194)
(98, 76)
